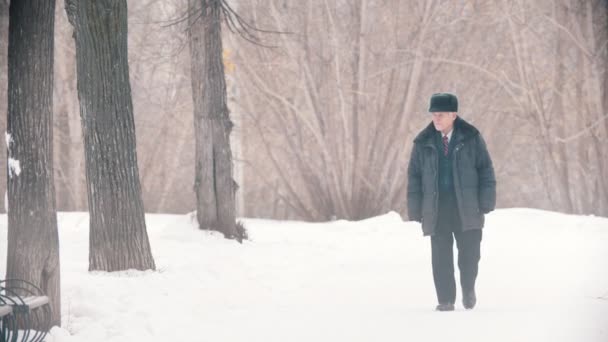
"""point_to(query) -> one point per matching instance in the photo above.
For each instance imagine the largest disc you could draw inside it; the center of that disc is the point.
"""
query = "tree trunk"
(593, 70)
(357, 201)
(3, 89)
(214, 185)
(118, 238)
(33, 243)
(70, 180)
(558, 151)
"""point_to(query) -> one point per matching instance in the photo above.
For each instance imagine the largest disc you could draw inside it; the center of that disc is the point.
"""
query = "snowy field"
(543, 277)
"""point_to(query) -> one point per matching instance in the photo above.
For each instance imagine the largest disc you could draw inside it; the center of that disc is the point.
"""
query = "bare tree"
(3, 84)
(334, 109)
(159, 72)
(565, 108)
(160, 78)
(70, 178)
(338, 99)
(33, 244)
(327, 117)
(118, 237)
(214, 183)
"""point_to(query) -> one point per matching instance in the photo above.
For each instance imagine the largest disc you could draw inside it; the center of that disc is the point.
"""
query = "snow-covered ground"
(543, 277)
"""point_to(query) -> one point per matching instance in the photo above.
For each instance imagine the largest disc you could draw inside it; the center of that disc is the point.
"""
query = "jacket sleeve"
(414, 187)
(487, 179)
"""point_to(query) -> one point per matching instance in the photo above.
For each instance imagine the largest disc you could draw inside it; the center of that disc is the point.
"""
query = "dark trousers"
(468, 244)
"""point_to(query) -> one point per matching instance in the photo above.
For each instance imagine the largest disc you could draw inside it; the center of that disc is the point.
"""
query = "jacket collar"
(462, 131)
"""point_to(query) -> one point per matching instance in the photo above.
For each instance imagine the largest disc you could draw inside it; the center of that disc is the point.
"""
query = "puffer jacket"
(474, 180)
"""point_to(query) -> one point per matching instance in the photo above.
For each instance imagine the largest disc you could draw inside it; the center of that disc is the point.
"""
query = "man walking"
(451, 185)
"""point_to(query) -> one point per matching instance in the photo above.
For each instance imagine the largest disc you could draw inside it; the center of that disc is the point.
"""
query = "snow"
(9, 139)
(542, 278)
(13, 167)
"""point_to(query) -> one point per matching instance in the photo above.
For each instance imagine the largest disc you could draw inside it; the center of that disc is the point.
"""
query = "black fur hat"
(443, 102)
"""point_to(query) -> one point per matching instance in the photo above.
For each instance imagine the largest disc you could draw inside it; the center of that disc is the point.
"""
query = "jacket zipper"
(456, 176)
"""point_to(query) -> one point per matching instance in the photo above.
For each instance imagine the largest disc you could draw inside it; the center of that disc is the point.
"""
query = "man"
(451, 185)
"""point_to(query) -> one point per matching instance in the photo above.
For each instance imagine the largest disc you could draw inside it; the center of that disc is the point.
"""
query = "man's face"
(443, 121)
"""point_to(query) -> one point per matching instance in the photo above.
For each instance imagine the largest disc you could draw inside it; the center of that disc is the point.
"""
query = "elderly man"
(451, 185)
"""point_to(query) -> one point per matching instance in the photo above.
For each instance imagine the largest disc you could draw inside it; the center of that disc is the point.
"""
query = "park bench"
(24, 312)
(5, 317)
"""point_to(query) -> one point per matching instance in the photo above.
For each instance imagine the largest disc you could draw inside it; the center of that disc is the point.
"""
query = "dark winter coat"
(472, 171)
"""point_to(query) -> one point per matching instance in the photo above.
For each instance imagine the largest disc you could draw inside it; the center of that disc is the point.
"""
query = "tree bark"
(214, 184)
(118, 238)
(593, 70)
(357, 201)
(558, 151)
(33, 244)
(70, 182)
(3, 90)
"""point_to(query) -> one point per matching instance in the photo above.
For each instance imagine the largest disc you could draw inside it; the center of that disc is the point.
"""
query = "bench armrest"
(34, 302)
(5, 310)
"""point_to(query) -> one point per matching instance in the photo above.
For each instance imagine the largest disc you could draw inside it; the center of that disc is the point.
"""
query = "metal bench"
(5, 319)
(24, 311)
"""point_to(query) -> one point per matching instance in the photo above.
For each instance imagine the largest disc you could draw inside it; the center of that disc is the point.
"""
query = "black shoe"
(445, 307)
(469, 299)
